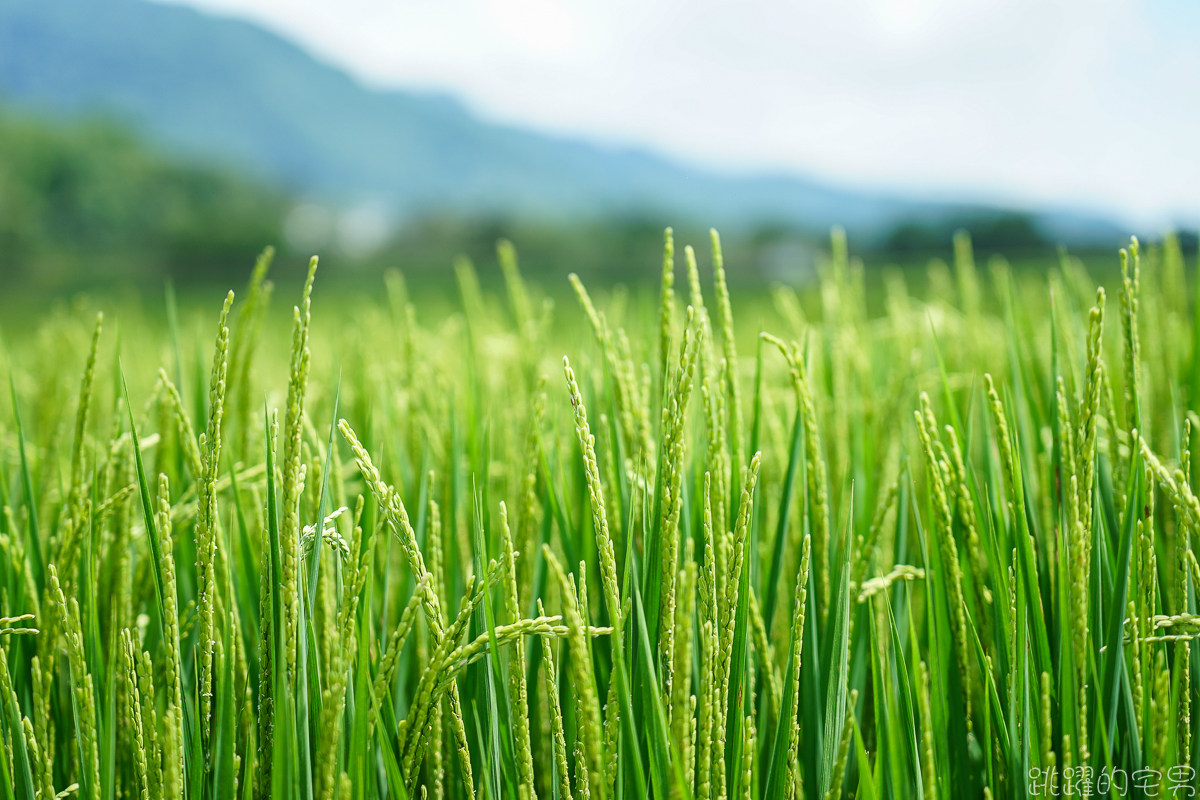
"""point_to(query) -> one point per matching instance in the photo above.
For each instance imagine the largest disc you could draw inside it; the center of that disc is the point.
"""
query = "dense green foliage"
(989, 231)
(92, 204)
(635, 548)
(90, 199)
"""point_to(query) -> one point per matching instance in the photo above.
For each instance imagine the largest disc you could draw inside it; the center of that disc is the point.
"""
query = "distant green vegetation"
(88, 202)
(1006, 232)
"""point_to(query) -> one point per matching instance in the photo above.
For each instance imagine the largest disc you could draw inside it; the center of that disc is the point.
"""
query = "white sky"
(1088, 103)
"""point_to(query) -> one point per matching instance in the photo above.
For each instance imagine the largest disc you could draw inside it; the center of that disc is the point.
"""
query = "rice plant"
(637, 547)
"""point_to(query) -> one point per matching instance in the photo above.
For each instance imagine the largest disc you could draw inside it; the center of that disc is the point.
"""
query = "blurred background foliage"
(89, 204)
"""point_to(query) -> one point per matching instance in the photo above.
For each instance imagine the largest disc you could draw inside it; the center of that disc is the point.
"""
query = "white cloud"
(1083, 102)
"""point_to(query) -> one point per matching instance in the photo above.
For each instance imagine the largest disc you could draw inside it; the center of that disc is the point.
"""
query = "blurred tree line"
(1004, 231)
(87, 202)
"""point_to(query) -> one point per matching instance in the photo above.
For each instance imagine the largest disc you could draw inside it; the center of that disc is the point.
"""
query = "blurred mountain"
(226, 89)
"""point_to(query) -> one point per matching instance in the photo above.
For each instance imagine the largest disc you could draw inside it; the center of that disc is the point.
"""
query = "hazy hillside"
(230, 89)
(89, 203)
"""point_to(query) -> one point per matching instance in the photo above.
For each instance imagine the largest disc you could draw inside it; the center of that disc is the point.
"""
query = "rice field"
(644, 544)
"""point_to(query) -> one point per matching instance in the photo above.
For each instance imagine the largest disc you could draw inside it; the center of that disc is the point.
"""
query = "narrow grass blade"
(837, 690)
(20, 784)
(35, 538)
(283, 758)
(866, 784)
(500, 726)
(739, 667)
(223, 725)
(795, 457)
(388, 747)
(314, 557)
(664, 762)
(152, 533)
(245, 577)
(1112, 660)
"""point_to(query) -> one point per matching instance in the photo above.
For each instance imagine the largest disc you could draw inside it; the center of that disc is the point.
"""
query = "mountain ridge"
(229, 89)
